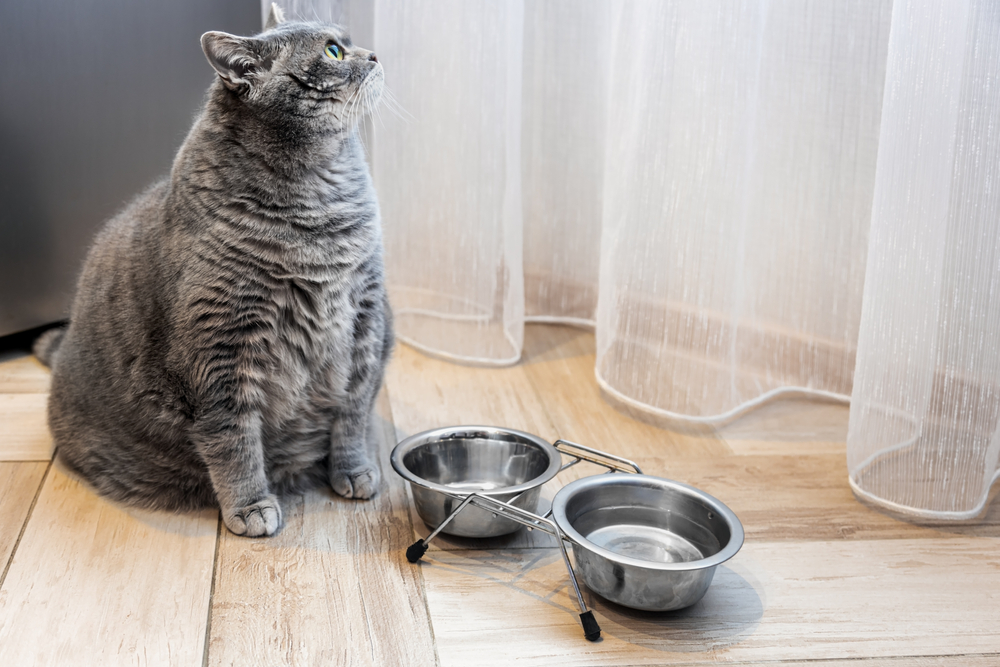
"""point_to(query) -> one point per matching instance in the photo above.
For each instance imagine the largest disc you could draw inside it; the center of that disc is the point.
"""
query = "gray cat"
(230, 328)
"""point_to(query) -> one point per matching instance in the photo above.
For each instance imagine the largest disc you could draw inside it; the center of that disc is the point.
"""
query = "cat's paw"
(360, 482)
(260, 519)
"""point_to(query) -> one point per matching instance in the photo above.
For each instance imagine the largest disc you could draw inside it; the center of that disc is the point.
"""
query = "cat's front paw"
(260, 519)
(360, 482)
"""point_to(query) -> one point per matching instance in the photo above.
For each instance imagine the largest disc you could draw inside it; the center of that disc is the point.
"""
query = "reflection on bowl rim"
(440, 435)
(727, 551)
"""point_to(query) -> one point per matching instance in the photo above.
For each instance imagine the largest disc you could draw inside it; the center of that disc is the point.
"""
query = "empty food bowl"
(500, 463)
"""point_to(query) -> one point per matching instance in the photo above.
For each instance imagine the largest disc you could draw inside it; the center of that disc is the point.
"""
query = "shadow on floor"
(729, 613)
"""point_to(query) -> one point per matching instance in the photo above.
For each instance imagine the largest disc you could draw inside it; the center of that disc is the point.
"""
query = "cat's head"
(307, 75)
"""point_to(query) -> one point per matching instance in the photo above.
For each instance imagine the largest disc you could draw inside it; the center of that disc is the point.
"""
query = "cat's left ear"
(238, 60)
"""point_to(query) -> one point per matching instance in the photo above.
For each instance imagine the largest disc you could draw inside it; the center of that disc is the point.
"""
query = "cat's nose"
(371, 56)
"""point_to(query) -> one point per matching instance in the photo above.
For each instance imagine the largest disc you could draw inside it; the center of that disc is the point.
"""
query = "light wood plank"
(24, 388)
(559, 361)
(18, 487)
(804, 497)
(961, 660)
(95, 583)
(429, 393)
(333, 588)
(765, 447)
(774, 601)
(24, 430)
(22, 373)
(791, 426)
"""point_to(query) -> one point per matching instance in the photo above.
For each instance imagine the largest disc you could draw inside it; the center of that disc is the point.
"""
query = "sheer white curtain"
(720, 190)
(738, 190)
(449, 175)
(695, 179)
(925, 414)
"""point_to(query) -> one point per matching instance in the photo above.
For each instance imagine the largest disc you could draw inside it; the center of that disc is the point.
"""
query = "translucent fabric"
(566, 72)
(925, 415)
(703, 170)
(449, 176)
(718, 189)
(738, 193)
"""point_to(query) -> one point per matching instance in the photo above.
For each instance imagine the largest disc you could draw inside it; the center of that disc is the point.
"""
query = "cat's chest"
(307, 356)
(313, 328)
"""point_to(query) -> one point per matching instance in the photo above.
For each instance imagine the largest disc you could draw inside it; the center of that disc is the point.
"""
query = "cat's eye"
(333, 51)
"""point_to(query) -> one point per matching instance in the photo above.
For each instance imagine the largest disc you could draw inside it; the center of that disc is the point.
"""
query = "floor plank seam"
(541, 401)
(361, 592)
(423, 588)
(860, 661)
(211, 592)
(512, 585)
(413, 531)
(491, 549)
(24, 524)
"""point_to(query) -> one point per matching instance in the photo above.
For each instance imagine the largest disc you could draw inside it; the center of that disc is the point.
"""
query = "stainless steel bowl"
(501, 463)
(646, 542)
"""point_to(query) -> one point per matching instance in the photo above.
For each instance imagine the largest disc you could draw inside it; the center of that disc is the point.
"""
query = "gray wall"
(95, 98)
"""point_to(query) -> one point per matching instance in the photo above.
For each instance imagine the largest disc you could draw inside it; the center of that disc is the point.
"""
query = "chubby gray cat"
(230, 328)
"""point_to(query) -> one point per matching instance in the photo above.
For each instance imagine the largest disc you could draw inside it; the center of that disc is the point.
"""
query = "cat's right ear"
(275, 17)
(234, 58)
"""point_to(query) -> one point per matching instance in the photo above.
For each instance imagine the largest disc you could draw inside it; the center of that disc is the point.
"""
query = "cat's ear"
(275, 17)
(236, 59)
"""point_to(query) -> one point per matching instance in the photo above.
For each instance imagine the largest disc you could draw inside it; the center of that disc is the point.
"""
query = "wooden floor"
(820, 578)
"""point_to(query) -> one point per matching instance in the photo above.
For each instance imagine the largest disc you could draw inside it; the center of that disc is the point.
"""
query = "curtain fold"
(704, 171)
(745, 199)
(924, 434)
(567, 71)
(449, 175)
(737, 201)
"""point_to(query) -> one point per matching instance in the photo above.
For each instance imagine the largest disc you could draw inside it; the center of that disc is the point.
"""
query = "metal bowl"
(501, 463)
(646, 542)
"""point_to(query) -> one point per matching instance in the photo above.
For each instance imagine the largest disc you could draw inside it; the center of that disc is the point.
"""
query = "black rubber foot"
(415, 551)
(591, 630)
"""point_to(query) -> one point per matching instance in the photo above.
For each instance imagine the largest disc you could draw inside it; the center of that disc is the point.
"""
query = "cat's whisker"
(378, 114)
(348, 106)
(393, 105)
(357, 97)
(379, 106)
(369, 103)
(369, 96)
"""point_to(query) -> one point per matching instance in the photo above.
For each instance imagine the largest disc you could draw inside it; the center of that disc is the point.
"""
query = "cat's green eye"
(333, 51)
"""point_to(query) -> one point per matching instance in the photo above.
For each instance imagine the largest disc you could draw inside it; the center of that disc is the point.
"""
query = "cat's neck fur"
(296, 181)
(285, 148)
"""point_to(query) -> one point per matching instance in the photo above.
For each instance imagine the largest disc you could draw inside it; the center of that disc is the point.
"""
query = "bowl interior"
(478, 463)
(658, 524)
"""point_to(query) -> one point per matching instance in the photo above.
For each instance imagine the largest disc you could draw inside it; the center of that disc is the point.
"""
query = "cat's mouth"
(369, 91)
(362, 101)
(310, 85)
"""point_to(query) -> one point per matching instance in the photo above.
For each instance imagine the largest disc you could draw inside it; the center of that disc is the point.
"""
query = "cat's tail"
(47, 345)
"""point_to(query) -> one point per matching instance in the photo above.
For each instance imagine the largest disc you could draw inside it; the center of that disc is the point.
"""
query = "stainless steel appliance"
(95, 99)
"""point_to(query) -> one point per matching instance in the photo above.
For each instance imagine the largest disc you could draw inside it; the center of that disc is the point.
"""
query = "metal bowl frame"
(619, 578)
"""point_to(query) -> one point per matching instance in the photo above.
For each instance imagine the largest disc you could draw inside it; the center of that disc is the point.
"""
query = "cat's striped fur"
(230, 328)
